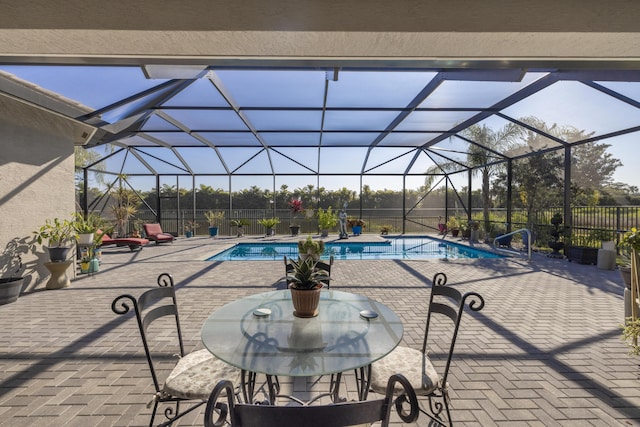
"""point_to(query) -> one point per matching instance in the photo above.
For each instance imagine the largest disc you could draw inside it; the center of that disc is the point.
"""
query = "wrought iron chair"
(195, 374)
(332, 415)
(416, 364)
(326, 266)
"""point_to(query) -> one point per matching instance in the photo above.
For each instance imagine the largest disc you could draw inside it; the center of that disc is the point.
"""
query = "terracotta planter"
(305, 301)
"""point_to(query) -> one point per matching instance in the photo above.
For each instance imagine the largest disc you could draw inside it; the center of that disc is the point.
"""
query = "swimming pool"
(391, 248)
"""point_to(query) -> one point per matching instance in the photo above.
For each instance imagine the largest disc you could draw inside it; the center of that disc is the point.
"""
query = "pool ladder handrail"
(496, 248)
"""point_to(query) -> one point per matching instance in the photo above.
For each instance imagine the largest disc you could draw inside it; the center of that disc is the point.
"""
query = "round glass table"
(260, 335)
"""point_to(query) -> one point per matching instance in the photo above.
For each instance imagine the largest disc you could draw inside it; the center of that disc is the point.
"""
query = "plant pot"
(85, 239)
(213, 231)
(324, 232)
(240, 231)
(10, 289)
(625, 273)
(305, 301)
(504, 241)
(357, 230)
(454, 233)
(294, 229)
(84, 267)
(58, 253)
(269, 231)
(475, 235)
(94, 265)
(582, 254)
(188, 234)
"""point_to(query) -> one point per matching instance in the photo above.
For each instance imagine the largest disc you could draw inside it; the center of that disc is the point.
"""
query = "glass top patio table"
(278, 343)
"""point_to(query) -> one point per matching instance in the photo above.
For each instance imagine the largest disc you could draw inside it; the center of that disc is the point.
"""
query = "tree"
(592, 170)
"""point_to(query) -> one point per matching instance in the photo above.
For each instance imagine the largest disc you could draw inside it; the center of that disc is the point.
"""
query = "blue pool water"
(391, 248)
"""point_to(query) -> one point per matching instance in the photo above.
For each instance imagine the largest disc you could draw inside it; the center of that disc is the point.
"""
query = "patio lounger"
(154, 232)
(133, 242)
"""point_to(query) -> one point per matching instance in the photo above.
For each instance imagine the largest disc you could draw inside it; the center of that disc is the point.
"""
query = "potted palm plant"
(214, 218)
(239, 224)
(295, 205)
(326, 220)
(453, 225)
(59, 234)
(269, 224)
(306, 281)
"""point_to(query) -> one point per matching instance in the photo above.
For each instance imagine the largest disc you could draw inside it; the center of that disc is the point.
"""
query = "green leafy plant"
(306, 275)
(453, 223)
(355, 221)
(58, 232)
(269, 222)
(327, 219)
(88, 224)
(630, 334)
(631, 240)
(240, 222)
(214, 217)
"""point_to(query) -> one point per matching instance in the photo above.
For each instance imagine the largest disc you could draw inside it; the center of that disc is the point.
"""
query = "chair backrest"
(326, 266)
(332, 415)
(152, 229)
(148, 307)
(451, 303)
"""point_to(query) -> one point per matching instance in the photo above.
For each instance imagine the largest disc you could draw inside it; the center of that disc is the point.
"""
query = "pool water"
(391, 248)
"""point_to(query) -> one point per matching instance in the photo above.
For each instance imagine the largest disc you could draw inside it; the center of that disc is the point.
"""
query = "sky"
(564, 103)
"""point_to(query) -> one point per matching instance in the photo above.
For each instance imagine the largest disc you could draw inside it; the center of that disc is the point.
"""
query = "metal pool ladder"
(499, 249)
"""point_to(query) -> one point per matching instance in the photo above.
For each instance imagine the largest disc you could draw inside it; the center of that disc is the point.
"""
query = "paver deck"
(546, 349)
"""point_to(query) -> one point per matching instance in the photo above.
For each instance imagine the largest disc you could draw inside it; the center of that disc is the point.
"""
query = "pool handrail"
(497, 248)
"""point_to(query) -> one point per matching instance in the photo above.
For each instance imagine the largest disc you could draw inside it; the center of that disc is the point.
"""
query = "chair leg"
(438, 406)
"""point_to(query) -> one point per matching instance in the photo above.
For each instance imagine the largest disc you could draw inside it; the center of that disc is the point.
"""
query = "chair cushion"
(197, 373)
(414, 365)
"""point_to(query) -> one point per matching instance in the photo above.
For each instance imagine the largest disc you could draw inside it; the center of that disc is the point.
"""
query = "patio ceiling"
(197, 120)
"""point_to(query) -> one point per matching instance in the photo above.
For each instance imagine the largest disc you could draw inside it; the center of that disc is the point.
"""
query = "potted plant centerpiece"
(310, 248)
(326, 220)
(59, 233)
(269, 224)
(306, 281)
(214, 218)
(295, 206)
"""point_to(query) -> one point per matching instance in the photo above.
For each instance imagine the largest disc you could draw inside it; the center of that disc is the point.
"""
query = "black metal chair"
(326, 266)
(219, 413)
(195, 374)
(416, 364)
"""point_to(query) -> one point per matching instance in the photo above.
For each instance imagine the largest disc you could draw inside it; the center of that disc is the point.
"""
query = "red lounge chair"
(154, 232)
(133, 242)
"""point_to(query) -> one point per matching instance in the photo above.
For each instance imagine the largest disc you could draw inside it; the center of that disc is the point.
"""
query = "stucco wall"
(36, 180)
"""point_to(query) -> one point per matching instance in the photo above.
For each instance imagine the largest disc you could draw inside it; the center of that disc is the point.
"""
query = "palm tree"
(482, 157)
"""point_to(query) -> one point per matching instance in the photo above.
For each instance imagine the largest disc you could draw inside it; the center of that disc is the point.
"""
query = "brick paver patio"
(545, 351)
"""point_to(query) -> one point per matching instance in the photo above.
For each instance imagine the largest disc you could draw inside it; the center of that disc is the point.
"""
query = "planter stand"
(59, 278)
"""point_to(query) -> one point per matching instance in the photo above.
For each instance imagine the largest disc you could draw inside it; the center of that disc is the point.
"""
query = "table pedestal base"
(59, 278)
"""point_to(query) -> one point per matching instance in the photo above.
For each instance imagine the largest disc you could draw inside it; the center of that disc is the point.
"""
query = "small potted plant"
(356, 225)
(310, 248)
(214, 218)
(385, 229)
(85, 227)
(306, 281)
(295, 206)
(59, 233)
(11, 264)
(190, 228)
(239, 224)
(327, 219)
(453, 225)
(269, 224)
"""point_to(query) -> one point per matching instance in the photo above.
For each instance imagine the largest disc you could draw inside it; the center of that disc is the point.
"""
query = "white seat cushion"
(415, 366)
(197, 373)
